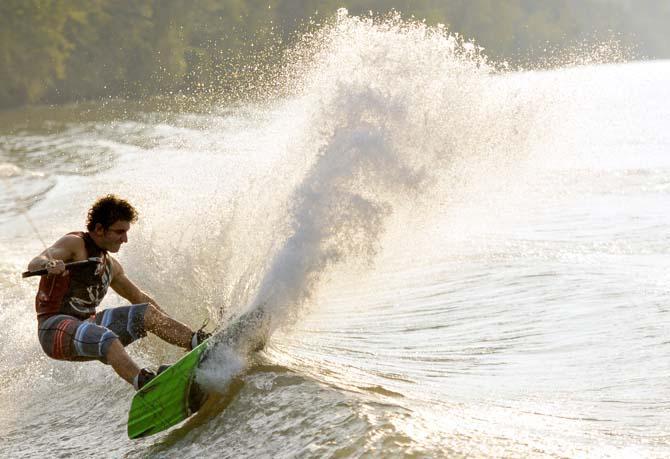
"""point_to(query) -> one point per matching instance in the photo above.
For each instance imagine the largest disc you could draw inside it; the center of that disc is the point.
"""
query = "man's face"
(112, 237)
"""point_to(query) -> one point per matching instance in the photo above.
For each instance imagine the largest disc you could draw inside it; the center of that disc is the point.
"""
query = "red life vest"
(80, 292)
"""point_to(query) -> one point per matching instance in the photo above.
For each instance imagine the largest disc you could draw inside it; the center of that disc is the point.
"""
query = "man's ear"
(99, 229)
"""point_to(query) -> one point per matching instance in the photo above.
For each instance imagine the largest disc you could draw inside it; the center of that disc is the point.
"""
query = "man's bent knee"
(126, 321)
(152, 317)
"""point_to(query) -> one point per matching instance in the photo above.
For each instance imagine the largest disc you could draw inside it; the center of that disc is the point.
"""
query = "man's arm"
(126, 288)
(66, 249)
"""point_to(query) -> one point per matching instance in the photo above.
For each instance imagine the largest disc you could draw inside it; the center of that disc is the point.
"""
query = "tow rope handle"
(42, 272)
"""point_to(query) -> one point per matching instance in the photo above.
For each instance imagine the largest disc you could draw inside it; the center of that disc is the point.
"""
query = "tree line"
(54, 51)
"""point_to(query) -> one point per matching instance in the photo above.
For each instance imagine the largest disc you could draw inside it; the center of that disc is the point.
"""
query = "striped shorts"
(65, 337)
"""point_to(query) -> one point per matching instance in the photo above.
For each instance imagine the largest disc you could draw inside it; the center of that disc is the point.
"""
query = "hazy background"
(63, 51)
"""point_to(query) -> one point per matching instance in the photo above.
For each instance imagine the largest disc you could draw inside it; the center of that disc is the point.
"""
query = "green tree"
(33, 47)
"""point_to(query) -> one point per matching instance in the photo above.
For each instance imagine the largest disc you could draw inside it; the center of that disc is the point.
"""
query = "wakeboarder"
(70, 327)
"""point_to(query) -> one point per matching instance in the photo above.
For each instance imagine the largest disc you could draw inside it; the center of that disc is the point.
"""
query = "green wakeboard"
(169, 398)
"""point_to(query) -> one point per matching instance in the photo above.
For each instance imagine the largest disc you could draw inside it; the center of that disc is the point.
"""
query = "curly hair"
(110, 209)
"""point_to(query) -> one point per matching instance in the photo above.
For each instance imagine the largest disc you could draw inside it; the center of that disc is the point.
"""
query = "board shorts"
(66, 337)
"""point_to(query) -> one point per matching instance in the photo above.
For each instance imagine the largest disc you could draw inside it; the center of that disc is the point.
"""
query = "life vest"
(79, 293)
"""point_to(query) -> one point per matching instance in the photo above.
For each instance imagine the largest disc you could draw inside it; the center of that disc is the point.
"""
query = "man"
(69, 327)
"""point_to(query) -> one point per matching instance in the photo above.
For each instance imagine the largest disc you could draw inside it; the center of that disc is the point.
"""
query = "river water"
(457, 262)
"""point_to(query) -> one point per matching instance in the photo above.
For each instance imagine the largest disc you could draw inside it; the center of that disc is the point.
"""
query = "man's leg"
(133, 322)
(65, 337)
(119, 359)
(166, 328)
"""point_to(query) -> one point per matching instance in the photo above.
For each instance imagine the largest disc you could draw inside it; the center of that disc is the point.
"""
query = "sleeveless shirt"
(80, 292)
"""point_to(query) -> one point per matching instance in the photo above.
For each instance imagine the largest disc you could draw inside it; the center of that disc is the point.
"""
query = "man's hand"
(66, 249)
(56, 267)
